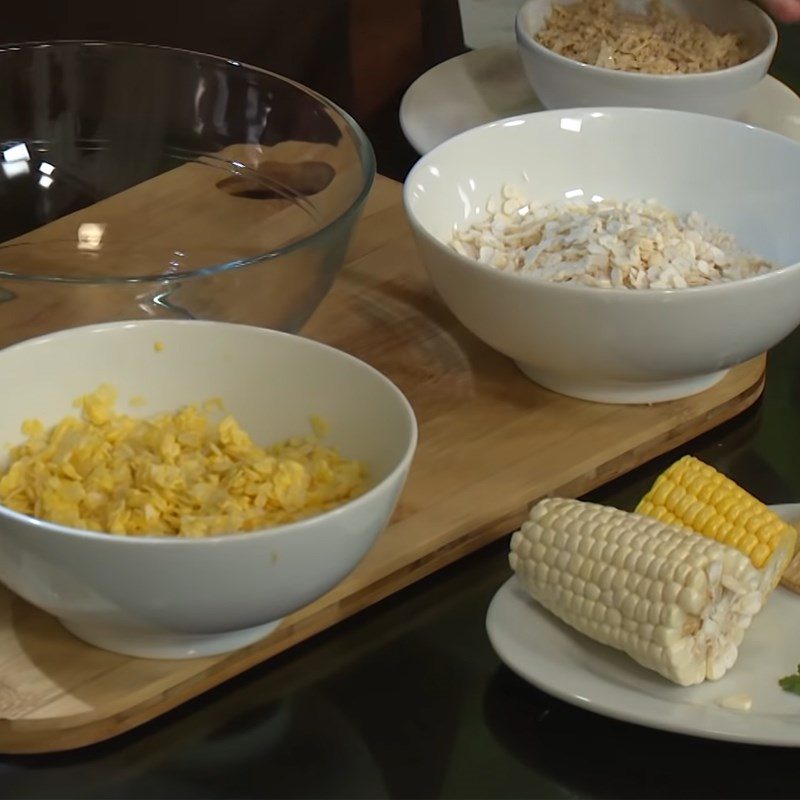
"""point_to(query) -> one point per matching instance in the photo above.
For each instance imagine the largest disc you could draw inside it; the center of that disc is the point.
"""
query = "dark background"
(362, 54)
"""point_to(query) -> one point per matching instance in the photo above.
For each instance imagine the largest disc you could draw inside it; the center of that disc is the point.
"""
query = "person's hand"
(783, 10)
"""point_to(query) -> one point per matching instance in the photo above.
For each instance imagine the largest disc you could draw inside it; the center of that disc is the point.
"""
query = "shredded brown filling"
(659, 41)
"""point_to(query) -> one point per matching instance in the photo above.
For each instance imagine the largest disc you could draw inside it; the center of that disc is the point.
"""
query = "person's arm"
(783, 10)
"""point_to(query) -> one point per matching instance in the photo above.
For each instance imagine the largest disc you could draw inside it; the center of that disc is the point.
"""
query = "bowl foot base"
(623, 392)
(157, 643)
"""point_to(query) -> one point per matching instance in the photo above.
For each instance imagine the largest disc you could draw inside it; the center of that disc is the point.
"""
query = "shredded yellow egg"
(172, 474)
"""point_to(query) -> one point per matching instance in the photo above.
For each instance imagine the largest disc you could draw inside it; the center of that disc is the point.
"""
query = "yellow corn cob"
(674, 601)
(695, 495)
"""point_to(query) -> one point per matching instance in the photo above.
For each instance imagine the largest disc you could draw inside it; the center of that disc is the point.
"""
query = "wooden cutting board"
(491, 442)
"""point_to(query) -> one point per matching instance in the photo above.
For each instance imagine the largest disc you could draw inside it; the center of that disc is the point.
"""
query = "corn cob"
(695, 495)
(674, 601)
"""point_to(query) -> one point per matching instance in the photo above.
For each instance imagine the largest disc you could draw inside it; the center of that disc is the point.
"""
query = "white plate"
(486, 85)
(566, 664)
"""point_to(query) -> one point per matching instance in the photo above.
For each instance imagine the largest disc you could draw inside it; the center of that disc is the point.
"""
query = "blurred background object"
(488, 22)
(359, 53)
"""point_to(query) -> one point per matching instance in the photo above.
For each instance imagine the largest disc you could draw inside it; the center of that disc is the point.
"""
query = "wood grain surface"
(491, 442)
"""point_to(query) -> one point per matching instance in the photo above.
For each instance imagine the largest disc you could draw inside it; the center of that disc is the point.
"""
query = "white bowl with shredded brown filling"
(690, 55)
(174, 488)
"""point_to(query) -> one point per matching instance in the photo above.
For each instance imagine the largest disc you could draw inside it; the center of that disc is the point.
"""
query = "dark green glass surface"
(408, 699)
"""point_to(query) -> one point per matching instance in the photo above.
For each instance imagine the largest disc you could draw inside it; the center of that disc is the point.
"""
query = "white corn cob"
(673, 600)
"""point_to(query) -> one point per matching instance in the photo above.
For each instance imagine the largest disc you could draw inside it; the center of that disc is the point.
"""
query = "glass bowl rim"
(365, 150)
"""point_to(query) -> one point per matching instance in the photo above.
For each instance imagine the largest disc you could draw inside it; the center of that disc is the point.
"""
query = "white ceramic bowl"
(618, 345)
(561, 82)
(177, 598)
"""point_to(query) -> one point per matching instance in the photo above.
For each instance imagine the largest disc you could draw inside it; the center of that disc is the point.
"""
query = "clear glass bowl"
(141, 181)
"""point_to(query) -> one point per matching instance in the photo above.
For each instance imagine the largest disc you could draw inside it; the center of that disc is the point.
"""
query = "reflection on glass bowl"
(141, 181)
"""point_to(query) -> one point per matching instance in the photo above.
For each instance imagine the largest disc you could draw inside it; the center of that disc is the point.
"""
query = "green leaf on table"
(791, 683)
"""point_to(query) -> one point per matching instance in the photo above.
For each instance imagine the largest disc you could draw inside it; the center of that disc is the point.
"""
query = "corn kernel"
(759, 554)
(747, 543)
(713, 526)
(705, 514)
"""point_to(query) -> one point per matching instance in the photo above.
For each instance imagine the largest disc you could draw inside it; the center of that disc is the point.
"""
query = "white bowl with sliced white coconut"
(621, 255)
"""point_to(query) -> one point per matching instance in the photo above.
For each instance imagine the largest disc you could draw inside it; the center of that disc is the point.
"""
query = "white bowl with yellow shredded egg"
(703, 56)
(174, 489)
